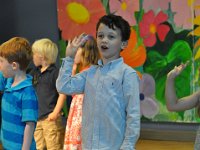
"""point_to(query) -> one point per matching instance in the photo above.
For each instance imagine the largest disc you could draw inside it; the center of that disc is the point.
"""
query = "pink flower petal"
(160, 18)
(156, 4)
(148, 17)
(162, 31)
(114, 5)
(183, 15)
(150, 40)
(149, 108)
(128, 13)
(144, 29)
(147, 85)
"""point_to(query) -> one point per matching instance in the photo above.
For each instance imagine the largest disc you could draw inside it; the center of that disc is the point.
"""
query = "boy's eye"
(111, 36)
(100, 36)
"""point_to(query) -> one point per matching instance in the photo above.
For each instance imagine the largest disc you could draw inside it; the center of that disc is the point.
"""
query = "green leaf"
(62, 46)
(106, 5)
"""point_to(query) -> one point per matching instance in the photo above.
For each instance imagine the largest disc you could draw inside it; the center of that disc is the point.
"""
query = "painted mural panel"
(164, 33)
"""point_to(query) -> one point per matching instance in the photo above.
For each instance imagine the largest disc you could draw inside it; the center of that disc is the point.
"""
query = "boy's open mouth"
(103, 47)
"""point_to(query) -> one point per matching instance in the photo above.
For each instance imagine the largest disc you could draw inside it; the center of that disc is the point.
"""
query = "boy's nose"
(104, 40)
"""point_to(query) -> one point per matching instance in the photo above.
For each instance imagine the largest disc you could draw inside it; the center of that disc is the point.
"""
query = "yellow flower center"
(123, 6)
(78, 13)
(152, 28)
(190, 2)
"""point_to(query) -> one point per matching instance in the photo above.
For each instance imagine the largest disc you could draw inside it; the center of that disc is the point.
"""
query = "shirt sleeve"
(68, 84)
(131, 94)
(29, 105)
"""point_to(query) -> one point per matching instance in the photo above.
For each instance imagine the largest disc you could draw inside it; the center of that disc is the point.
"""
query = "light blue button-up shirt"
(111, 106)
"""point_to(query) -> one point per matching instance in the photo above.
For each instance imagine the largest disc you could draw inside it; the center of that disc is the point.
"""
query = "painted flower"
(196, 31)
(184, 12)
(148, 105)
(76, 17)
(125, 8)
(152, 25)
(156, 4)
(134, 55)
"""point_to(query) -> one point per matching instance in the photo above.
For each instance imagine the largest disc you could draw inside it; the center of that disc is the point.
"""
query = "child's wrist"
(170, 77)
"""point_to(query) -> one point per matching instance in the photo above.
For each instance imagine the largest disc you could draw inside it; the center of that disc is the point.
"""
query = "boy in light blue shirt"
(111, 106)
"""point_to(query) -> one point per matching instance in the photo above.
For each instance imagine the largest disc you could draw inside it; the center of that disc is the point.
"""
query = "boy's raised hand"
(177, 70)
(74, 45)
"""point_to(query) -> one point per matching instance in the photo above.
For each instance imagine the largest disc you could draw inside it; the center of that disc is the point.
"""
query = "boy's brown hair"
(18, 50)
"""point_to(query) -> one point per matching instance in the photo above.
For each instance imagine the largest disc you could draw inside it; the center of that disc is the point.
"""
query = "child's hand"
(177, 70)
(53, 116)
(74, 45)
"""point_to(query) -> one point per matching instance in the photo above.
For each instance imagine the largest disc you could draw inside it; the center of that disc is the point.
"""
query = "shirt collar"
(25, 83)
(115, 62)
(51, 67)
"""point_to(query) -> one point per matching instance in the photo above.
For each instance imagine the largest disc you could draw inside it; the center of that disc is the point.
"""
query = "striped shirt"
(19, 105)
(111, 106)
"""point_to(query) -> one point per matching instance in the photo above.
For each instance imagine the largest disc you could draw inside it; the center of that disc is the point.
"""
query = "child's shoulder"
(128, 68)
(53, 68)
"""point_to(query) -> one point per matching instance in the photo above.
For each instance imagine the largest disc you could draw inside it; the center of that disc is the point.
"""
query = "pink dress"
(73, 127)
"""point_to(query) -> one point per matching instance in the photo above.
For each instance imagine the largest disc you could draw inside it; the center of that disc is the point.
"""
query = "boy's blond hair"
(17, 49)
(47, 49)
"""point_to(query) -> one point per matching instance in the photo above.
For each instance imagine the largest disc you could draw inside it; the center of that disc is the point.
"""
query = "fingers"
(79, 40)
(74, 44)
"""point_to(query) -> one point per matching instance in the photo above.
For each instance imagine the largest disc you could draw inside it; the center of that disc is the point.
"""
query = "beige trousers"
(49, 134)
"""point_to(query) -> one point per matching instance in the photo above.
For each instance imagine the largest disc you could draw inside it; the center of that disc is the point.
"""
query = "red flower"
(78, 16)
(150, 25)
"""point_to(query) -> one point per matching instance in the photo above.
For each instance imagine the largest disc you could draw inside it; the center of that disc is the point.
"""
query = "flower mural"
(152, 25)
(155, 4)
(184, 12)
(196, 31)
(76, 17)
(125, 8)
(134, 55)
(181, 10)
(148, 104)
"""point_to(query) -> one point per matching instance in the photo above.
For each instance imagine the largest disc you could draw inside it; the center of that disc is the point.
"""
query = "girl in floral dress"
(86, 55)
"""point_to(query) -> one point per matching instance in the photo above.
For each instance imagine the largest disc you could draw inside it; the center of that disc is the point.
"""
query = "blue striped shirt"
(19, 105)
(111, 106)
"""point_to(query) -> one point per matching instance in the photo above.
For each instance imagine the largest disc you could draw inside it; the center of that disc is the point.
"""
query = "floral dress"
(73, 127)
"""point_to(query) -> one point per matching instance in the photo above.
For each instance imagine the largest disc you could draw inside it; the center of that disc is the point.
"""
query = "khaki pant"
(49, 134)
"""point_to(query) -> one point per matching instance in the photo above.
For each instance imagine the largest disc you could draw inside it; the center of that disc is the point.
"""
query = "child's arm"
(131, 94)
(28, 135)
(56, 112)
(65, 83)
(173, 103)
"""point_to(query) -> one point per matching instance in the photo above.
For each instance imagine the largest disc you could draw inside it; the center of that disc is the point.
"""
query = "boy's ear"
(15, 65)
(124, 44)
(42, 58)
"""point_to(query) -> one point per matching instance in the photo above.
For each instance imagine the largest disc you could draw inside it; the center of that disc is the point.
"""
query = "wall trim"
(169, 131)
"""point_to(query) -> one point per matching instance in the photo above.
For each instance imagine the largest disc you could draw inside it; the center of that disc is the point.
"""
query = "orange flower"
(134, 55)
(76, 17)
